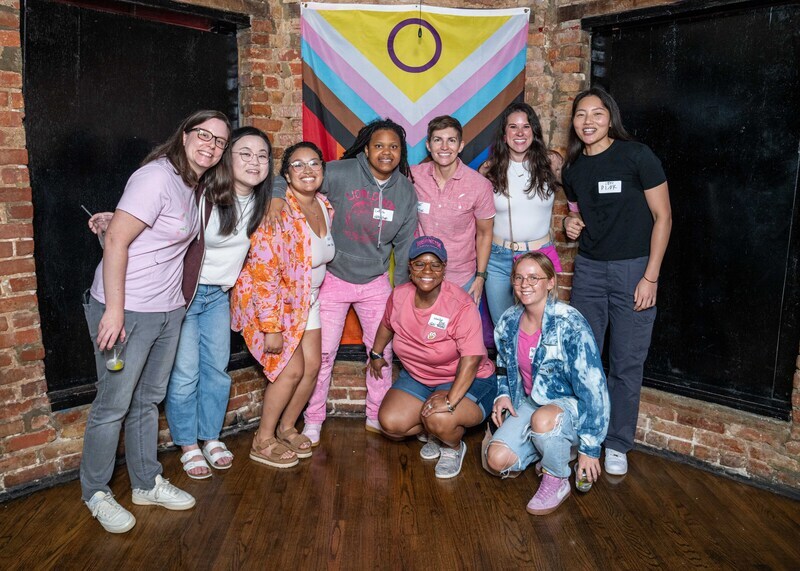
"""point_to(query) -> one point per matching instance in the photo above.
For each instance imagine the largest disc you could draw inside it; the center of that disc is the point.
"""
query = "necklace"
(240, 210)
(513, 166)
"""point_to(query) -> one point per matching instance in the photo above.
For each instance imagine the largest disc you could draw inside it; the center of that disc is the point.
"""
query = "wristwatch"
(374, 356)
(483, 275)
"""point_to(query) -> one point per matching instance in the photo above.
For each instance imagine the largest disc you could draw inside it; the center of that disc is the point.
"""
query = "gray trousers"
(131, 396)
(603, 293)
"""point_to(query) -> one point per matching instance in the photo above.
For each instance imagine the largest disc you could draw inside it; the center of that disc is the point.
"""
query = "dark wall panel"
(100, 90)
(716, 95)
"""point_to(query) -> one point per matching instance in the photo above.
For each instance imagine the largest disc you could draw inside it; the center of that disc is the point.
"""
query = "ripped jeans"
(552, 448)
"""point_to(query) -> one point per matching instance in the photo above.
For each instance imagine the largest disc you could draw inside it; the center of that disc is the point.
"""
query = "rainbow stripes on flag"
(411, 64)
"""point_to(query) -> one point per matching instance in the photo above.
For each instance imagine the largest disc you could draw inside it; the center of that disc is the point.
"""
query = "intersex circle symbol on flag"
(393, 36)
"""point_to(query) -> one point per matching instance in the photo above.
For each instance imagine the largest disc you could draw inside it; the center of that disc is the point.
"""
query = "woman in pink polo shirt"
(447, 383)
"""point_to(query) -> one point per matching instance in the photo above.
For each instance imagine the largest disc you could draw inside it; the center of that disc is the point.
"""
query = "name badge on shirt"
(329, 240)
(388, 215)
(609, 186)
(531, 353)
(438, 321)
(424, 207)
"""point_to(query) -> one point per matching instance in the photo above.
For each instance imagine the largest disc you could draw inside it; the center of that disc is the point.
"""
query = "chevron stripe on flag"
(410, 64)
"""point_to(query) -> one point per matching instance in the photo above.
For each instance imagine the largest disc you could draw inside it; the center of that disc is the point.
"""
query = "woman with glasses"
(136, 298)
(552, 393)
(620, 211)
(523, 174)
(276, 305)
(199, 386)
(447, 383)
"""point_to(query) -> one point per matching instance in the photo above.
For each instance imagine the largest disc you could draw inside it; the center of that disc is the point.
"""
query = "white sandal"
(189, 461)
(216, 456)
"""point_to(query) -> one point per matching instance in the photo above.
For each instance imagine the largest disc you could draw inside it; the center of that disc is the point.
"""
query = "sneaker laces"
(549, 486)
(165, 488)
(108, 506)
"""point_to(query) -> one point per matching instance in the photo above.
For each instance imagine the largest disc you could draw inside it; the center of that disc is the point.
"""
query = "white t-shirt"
(530, 215)
(225, 255)
(322, 250)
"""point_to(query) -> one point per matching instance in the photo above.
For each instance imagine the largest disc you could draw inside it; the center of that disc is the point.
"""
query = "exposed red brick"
(29, 440)
(23, 247)
(723, 443)
(20, 211)
(732, 460)
(15, 338)
(10, 462)
(61, 448)
(672, 429)
(702, 422)
(13, 427)
(680, 446)
(30, 474)
(31, 353)
(13, 193)
(23, 284)
(706, 454)
(656, 440)
(6, 249)
(19, 266)
(10, 79)
(9, 38)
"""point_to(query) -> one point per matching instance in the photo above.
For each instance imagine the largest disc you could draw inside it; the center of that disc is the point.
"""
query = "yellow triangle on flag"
(408, 57)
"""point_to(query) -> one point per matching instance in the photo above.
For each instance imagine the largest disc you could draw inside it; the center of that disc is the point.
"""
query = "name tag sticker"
(329, 240)
(609, 187)
(424, 207)
(531, 353)
(388, 215)
(438, 321)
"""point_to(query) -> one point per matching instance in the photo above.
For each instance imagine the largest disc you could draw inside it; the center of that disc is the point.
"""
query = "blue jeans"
(199, 387)
(553, 448)
(481, 392)
(130, 395)
(603, 293)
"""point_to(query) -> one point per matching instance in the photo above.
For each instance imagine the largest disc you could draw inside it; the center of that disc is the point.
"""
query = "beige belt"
(521, 246)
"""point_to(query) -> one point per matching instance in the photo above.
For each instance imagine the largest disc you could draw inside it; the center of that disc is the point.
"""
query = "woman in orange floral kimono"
(275, 306)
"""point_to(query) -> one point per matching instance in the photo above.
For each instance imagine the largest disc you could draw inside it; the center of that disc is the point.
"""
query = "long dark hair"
(365, 135)
(217, 181)
(542, 180)
(616, 130)
(228, 213)
(287, 154)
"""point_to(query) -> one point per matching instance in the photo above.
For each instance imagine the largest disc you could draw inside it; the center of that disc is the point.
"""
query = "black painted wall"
(101, 89)
(714, 90)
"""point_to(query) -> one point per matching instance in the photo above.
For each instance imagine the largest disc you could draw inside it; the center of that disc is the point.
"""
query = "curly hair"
(365, 135)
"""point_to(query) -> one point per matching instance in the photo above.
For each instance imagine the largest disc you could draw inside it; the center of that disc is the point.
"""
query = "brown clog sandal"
(270, 452)
(294, 441)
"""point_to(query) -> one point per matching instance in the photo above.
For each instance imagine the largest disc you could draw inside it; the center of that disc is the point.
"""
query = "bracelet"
(651, 281)
(450, 407)
(483, 275)
(374, 356)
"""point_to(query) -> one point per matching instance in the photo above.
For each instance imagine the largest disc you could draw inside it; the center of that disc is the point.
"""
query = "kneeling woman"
(275, 305)
(553, 387)
(437, 335)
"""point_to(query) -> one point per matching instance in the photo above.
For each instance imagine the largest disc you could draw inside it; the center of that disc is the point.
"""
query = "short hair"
(445, 122)
(301, 145)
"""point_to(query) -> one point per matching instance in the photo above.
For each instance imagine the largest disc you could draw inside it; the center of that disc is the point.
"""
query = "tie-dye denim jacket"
(566, 368)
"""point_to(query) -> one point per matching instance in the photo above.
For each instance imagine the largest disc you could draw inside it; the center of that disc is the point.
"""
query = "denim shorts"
(482, 391)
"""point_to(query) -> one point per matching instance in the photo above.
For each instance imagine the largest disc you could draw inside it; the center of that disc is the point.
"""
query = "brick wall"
(38, 446)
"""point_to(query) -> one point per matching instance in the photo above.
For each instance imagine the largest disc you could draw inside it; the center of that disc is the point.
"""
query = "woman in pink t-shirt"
(447, 383)
(136, 298)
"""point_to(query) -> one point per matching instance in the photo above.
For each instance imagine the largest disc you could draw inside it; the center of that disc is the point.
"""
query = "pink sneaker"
(551, 493)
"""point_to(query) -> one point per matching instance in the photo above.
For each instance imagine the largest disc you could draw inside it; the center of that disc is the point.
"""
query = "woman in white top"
(199, 386)
(521, 171)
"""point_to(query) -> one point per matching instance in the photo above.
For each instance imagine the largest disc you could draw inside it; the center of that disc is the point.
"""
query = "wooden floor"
(362, 502)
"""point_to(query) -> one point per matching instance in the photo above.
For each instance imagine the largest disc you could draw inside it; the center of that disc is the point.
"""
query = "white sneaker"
(432, 448)
(313, 432)
(163, 494)
(112, 516)
(616, 463)
(449, 464)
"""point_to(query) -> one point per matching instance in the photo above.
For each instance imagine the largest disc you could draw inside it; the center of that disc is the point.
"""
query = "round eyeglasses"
(519, 279)
(419, 266)
(246, 157)
(300, 166)
(206, 136)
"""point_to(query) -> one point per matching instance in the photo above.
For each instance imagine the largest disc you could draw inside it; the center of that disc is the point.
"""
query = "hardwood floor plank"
(363, 502)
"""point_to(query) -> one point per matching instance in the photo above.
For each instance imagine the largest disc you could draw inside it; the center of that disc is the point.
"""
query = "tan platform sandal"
(271, 452)
(294, 441)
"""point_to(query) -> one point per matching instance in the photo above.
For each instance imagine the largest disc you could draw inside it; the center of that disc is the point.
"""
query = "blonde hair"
(545, 263)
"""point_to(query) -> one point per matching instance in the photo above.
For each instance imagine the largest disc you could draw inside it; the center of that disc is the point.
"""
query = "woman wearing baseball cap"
(447, 383)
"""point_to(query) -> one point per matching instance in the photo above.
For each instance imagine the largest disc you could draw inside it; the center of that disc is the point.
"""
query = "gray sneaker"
(112, 516)
(449, 464)
(163, 494)
(432, 448)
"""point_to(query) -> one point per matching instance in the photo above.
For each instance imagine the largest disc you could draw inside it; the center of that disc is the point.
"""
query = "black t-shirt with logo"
(609, 189)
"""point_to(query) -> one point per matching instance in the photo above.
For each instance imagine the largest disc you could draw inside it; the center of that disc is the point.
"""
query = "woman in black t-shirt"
(620, 210)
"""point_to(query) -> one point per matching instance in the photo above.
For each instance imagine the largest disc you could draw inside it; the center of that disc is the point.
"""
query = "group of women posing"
(179, 241)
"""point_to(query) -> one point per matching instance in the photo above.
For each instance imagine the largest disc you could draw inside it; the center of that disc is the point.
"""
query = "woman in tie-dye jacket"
(551, 386)
(275, 304)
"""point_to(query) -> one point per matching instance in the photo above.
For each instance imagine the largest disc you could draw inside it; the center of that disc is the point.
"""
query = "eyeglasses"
(300, 166)
(419, 266)
(519, 279)
(206, 136)
(246, 156)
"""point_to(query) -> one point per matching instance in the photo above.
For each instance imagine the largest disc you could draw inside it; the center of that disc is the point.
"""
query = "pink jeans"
(369, 301)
